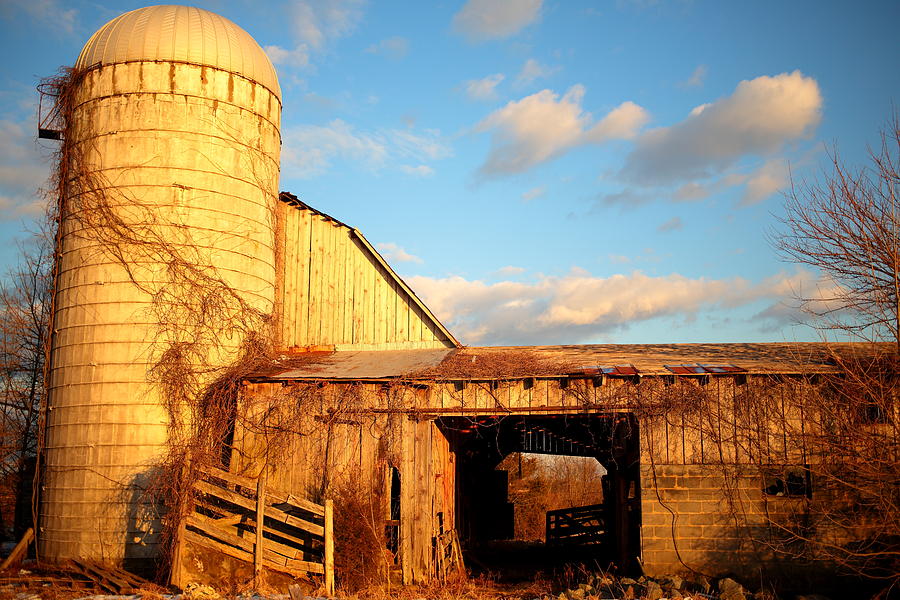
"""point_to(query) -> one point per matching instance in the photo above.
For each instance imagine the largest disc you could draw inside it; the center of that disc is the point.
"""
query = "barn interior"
(601, 535)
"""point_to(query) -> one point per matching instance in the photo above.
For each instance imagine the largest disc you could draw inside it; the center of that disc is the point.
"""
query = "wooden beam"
(329, 547)
(260, 518)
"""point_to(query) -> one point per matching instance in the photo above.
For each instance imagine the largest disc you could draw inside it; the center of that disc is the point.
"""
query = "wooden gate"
(578, 525)
(296, 536)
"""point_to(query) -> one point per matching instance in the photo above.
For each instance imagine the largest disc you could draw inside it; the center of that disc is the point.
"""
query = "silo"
(175, 120)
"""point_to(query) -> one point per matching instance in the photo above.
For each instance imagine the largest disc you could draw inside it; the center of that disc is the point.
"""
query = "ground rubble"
(593, 586)
(606, 586)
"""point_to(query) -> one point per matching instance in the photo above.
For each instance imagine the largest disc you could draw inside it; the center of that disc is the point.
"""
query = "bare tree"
(25, 307)
(847, 226)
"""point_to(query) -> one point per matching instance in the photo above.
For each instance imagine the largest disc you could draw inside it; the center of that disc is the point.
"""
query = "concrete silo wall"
(186, 157)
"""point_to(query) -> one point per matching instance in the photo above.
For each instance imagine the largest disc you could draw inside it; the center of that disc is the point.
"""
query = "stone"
(673, 582)
(652, 590)
(198, 591)
(729, 589)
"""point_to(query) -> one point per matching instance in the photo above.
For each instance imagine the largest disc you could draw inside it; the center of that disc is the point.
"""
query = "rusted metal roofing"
(614, 371)
(652, 359)
(705, 369)
(363, 364)
(626, 360)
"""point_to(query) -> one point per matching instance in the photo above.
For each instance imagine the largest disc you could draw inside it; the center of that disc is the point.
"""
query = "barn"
(232, 370)
(701, 443)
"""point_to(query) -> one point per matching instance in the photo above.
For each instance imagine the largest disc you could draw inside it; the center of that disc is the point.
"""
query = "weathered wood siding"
(319, 441)
(335, 291)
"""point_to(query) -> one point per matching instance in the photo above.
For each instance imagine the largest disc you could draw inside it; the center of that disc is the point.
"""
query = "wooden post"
(175, 571)
(260, 517)
(329, 547)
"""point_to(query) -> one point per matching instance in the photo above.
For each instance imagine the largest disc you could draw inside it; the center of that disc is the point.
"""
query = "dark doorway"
(605, 535)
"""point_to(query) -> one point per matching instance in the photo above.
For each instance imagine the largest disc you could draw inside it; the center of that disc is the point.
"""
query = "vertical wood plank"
(407, 499)
(344, 306)
(328, 310)
(260, 516)
(356, 293)
(379, 309)
(304, 256)
(329, 547)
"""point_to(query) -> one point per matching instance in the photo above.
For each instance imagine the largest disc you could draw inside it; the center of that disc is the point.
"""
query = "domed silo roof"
(180, 34)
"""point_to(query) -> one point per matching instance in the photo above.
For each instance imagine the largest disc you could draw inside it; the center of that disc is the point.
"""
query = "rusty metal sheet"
(724, 369)
(698, 369)
(620, 371)
(686, 369)
(365, 364)
(590, 371)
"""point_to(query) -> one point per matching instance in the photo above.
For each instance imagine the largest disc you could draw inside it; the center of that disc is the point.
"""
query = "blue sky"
(540, 172)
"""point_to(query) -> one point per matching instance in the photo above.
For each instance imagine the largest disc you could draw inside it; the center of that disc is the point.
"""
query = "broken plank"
(19, 551)
(250, 505)
(210, 527)
(275, 496)
(292, 567)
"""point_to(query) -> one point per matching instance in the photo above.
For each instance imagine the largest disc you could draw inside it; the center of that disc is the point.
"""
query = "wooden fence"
(296, 536)
(578, 525)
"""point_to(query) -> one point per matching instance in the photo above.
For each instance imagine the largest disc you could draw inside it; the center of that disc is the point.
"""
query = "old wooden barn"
(372, 393)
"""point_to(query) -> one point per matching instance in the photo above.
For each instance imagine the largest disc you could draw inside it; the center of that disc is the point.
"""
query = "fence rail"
(296, 536)
(579, 525)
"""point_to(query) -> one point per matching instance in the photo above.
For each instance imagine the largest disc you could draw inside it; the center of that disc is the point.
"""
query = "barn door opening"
(497, 459)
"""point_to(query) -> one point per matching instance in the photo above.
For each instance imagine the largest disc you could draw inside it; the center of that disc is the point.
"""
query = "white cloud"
(757, 119)
(418, 171)
(298, 57)
(22, 171)
(579, 307)
(543, 126)
(393, 252)
(309, 150)
(533, 70)
(427, 145)
(769, 179)
(494, 19)
(394, 47)
(673, 224)
(624, 199)
(533, 193)
(317, 21)
(696, 78)
(485, 88)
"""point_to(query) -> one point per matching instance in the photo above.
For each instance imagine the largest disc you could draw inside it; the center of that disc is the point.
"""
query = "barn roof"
(510, 362)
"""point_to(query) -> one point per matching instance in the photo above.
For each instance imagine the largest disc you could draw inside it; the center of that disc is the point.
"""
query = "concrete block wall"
(706, 518)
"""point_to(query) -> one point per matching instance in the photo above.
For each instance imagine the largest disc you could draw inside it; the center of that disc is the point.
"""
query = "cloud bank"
(759, 118)
(543, 126)
(580, 307)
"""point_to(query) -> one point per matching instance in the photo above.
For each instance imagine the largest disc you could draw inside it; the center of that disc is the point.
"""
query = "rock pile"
(604, 586)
